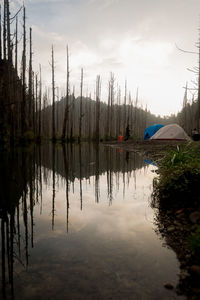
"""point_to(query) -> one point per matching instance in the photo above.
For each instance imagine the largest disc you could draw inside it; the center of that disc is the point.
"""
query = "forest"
(30, 111)
(80, 219)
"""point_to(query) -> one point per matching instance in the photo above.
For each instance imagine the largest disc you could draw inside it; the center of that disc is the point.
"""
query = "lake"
(76, 223)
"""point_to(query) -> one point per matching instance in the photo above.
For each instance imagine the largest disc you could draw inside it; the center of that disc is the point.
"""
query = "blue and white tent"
(151, 130)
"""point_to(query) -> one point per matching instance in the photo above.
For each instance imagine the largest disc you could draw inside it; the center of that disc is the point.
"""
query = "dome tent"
(170, 132)
(151, 130)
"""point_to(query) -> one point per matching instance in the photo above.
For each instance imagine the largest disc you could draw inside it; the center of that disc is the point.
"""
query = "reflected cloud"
(80, 210)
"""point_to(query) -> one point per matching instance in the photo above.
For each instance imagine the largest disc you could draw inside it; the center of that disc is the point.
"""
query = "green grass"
(194, 241)
(179, 177)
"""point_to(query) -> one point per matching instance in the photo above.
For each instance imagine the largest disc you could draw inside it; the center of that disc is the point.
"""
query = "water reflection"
(17, 184)
(107, 249)
(175, 227)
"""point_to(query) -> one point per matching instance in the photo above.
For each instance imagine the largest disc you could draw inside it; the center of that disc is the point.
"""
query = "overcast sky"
(135, 39)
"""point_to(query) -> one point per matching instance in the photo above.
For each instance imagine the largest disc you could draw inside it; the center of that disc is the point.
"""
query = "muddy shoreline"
(152, 150)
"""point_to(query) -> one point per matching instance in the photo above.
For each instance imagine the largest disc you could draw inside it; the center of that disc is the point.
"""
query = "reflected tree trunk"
(54, 189)
(80, 180)
(66, 166)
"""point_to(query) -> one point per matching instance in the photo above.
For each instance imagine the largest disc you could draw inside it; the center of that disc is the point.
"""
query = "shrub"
(179, 177)
(194, 240)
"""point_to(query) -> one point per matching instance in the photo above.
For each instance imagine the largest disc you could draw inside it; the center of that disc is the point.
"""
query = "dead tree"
(67, 100)
(119, 112)
(112, 82)
(135, 113)
(196, 70)
(57, 110)
(72, 116)
(108, 115)
(36, 105)
(30, 81)
(98, 87)
(44, 125)
(23, 104)
(53, 97)
(81, 108)
(89, 119)
(0, 36)
(125, 98)
(40, 106)
(16, 43)
(4, 28)
(9, 48)
(198, 85)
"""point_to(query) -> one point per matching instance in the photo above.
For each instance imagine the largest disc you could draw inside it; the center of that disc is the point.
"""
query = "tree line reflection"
(24, 173)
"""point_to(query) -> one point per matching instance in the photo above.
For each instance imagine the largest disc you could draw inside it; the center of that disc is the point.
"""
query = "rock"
(195, 269)
(194, 217)
(181, 216)
(169, 286)
(177, 223)
(171, 228)
(183, 274)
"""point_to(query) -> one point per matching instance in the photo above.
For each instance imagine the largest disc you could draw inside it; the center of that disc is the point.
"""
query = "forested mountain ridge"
(113, 119)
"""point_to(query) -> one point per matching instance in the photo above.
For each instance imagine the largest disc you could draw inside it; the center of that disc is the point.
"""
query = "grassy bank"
(178, 182)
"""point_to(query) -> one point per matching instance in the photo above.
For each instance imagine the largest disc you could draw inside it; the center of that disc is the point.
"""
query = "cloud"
(135, 39)
(103, 4)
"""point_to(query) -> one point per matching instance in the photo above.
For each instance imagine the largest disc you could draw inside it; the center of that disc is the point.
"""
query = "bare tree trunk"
(135, 114)
(67, 100)
(23, 107)
(72, 116)
(30, 81)
(53, 99)
(89, 119)
(129, 109)
(97, 107)
(16, 43)
(184, 109)
(0, 36)
(36, 105)
(81, 108)
(9, 48)
(33, 106)
(112, 81)
(107, 133)
(44, 127)
(125, 97)
(131, 116)
(4, 29)
(198, 96)
(40, 106)
(57, 111)
(119, 113)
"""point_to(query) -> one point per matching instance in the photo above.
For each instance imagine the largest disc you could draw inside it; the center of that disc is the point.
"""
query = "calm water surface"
(76, 223)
